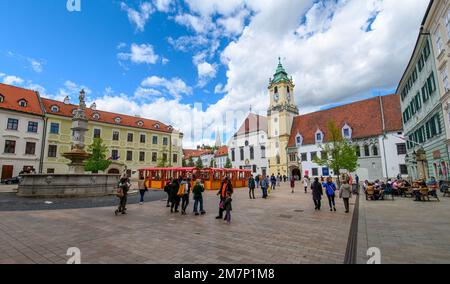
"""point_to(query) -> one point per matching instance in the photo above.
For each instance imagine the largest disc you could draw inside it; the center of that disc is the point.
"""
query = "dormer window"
(74, 111)
(157, 126)
(319, 136)
(140, 123)
(299, 140)
(23, 103)
(96, 116)
(2, 98)
(347, 131)
(170, 127)
(118, 120)
(54, 109)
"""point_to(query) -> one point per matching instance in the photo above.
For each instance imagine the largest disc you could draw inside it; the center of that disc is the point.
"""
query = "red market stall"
(157, 178)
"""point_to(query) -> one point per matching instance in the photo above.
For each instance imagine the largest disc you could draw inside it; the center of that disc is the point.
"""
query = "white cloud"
(165, 61)
(198, 24)
(138, 17)
(145, 93)
(12, 80)
(175, 86)
(163, 5)
(36, 65)
(206, 72)
(140, 54)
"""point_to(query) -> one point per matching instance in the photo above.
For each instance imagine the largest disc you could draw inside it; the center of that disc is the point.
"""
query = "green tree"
(162, 162)
(340, 154)
(191, 163)
(199, 164)
(183, 163)
(228, 164)
(98, 161)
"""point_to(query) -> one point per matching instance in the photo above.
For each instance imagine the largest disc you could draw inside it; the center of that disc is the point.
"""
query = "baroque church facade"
(373, 126)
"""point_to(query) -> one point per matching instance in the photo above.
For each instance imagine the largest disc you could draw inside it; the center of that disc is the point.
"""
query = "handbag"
(222, 205)
(119, 193)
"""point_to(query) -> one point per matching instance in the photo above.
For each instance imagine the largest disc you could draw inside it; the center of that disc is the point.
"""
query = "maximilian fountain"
(76, 182)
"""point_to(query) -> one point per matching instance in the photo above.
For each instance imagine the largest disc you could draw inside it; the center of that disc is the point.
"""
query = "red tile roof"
(12, 95)
(253, 123)
(364, 118)
(106, 117)
(222, 151)
(187, 153)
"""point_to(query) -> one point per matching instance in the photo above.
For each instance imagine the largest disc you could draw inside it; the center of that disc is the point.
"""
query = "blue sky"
(83, 47)
(200, 64)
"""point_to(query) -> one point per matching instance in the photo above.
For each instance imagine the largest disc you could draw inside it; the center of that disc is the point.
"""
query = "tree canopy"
(98, 161)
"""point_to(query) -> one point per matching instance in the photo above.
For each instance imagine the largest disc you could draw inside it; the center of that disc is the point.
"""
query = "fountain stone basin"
(67, 185)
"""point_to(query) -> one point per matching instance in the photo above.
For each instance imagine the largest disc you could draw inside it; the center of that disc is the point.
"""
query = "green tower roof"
(280, 75)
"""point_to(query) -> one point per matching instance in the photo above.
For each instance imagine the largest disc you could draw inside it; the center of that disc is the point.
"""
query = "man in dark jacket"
(168, 190)
(225, 187)
(174, 198)
(317, 193)
(251, 187)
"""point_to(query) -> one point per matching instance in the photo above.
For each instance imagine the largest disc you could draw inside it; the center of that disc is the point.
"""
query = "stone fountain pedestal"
(75, 183)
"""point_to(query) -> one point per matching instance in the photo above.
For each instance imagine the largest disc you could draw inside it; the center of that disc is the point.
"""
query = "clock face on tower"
(276, 97)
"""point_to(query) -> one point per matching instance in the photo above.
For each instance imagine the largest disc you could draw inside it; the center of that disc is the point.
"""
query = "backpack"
(181, 190)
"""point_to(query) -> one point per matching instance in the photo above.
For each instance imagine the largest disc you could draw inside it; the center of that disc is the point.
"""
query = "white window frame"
(24, 102)
(447, 23)
(439, 44)
(321, 136)
(54, 108)
(93, 132)
(444, 75)
(297, 138)
(347, 127)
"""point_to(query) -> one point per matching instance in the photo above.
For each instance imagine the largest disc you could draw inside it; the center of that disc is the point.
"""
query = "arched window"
(140, 123)
(366, 151)
(23, 103)
(319, 136)
(375, 150)
(288, 89)
(299, 139)
(2, 98)
(157, 126)
(118, 120)
(276, 90)
(96, 116)
(346, 131)
(54, 109)
(278, 160)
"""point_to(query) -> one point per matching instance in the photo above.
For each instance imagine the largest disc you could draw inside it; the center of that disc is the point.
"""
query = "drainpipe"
(43, 143)
(384, 136)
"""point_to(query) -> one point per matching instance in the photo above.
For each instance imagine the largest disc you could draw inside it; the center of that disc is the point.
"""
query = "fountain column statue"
(78, 155)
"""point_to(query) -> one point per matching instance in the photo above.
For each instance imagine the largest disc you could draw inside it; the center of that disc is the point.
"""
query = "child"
(228, 208)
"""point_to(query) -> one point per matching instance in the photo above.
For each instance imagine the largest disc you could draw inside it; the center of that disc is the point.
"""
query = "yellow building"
(133, 142)
(280, 116)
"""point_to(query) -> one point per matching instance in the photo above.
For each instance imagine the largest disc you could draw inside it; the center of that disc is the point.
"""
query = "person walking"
(317, 192)
(124, 186)
(228, 207)
(226, 187)
(278, 180)
(273, 182)
(257, 180)
(174, 198)
(330, 190)
(168, 189)
(264, 187)
(251, 187)
(142, 194)
(346, 194)
(292, 183)
(186, 185)
(306, 183)
(197, 191)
